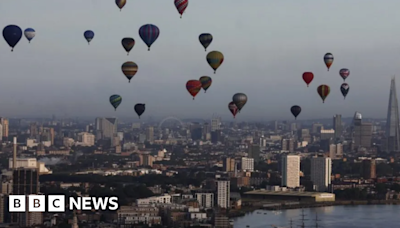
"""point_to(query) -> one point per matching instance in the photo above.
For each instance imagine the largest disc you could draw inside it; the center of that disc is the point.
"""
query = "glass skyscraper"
(392, 121)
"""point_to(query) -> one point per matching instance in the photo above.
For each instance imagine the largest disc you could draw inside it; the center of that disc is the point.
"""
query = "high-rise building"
(229, 164)
(86, 139)
(26, 182)
(247, 164)
(223, 193)
(321, 171)
(215, 124)
(106, 128)
(254, 152)
(337, 125)
(150, 134)
(206, 200)
(336, 151)
(290, 171)
(362, 132)
(195, 131)
(392, 121)
(369, 169)
(5, 124)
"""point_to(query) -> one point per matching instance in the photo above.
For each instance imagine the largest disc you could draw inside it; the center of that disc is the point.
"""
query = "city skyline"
(65, 76)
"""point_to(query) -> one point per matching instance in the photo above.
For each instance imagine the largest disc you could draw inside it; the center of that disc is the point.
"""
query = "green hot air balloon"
(115, 101)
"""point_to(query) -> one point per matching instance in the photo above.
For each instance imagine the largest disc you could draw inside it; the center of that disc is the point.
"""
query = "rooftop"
(289, 193)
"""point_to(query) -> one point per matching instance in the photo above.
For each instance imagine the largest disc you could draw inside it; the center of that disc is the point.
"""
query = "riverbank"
(282, 206)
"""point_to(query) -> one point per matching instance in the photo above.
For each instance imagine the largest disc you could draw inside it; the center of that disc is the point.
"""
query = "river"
(361, 216)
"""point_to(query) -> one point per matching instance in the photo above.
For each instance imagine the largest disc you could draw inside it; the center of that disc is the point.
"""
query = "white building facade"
(290, 171)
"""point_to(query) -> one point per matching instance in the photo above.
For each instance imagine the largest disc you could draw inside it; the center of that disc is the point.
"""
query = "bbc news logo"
(58, 203)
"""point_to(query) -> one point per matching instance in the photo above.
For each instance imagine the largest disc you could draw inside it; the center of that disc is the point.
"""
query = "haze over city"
(267, 46)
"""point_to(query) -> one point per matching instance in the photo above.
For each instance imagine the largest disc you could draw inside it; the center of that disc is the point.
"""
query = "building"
(327, 134)
(150, 134)
(26, 182)
(254, 152)
(29, 163)
(369, 169)
(215, 124)
(106, 128)
(336, 151)
(146, 160)
(362, 132)
(223, 193)
(229, 164)
(206, 200)
(290, 171)
(86, 139)
(164, 199)
(127, 216)
(247, 164)
(337, 125)
(321, 171)
(290, 196)
(392, 121)
(5, 126)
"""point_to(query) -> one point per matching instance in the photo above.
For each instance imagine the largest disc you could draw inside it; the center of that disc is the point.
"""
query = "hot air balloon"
(344, 73)
(115, 101)
(323, 91)
(181, 6)
(215, 59)
(120, 4)
(12, 34)
(149, 34)
(128, 43)
(205, 82)
(193, 87)
(139, 109)
(345, 88)
(295, 110)
(29, 34)
(89, 35)
(232, 107)
(239, 99)
(129, 69)
(328, 59)
(205, 40)
(308, 77)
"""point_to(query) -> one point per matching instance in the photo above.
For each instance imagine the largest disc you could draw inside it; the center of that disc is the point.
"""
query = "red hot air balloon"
(308, 77)
(233, 108)
(323, 91)
(193, 87)
(181, 6)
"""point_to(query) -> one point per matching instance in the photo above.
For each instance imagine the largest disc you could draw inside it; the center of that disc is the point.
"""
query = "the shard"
(392, 121)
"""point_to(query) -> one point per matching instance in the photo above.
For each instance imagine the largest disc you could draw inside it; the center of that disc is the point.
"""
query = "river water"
(362, 216)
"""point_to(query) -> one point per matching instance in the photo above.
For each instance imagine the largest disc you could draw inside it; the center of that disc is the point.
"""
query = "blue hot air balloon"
(89, 35)
(29, 34)
(115, 101)
(149, 34)
(12, 34)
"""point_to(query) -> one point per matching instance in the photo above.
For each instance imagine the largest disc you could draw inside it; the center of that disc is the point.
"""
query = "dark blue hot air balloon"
(12, 34)
(149, 34)
(89, 35)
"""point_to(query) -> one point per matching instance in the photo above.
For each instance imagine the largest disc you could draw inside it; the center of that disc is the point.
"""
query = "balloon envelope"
(308, 77)
(129, 69)
(205, 82)
(205, 40)
(344, 88)
(233, 108)
(240, 99)
(139, 109)
(295, 110)
(120, 3)
(344, 73)
(193, 87)
(29, 34)
(115, 100)
(12, 34)
(323, 91)
(181, 6)
(149, 34)
(328, 59)
(128, 43)
(215, 59)
(89, 35)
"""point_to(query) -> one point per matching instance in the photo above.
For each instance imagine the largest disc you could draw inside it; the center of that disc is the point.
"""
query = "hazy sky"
(267, 46)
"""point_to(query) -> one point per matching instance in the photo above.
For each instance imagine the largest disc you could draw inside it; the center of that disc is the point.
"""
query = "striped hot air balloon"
(205, 82)
(181, 6)
(193, 87)
(149, 34)
(328, 59)
(205, 40)
(129, 69)
(115, 101)
(323, 91)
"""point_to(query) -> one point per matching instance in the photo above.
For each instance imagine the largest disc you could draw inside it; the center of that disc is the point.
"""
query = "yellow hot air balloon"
(215, 59)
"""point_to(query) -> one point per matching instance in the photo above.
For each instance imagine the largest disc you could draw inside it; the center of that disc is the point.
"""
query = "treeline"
(149, 180)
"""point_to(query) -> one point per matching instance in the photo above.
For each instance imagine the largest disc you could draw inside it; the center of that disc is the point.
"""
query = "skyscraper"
(106, 128)
(362, 132)
(337, 125)
(321, 170)
(392, 120)
(291, 171)
(223, 193)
